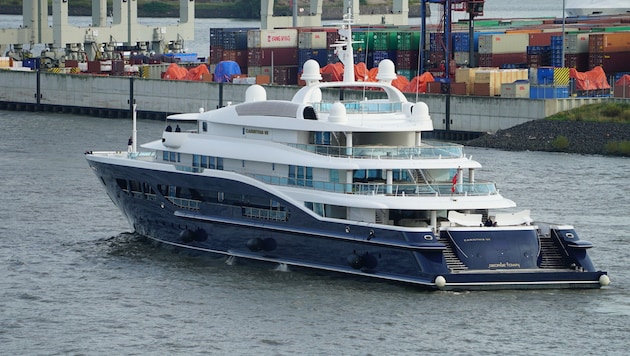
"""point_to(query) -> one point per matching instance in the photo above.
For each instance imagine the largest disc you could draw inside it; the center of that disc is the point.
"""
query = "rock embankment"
(543, 135)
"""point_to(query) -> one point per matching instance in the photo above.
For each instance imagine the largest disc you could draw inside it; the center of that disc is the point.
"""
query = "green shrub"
(560, 143)
(621, 148)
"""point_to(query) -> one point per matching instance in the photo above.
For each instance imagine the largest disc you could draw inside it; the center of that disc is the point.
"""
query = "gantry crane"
(472, 7)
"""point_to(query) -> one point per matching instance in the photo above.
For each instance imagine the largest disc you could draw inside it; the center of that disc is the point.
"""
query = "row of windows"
(190, 198)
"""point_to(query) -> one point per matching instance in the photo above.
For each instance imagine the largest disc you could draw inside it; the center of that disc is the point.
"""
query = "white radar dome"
(311, 72)
(255, 93)
(386, 71)
(337, 113)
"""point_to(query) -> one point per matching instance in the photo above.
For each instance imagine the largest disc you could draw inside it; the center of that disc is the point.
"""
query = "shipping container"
(406, 59)
(609, 42)
(541, 38)
(378, 56)
(319, 55)
(235, 38)
(502, 59)
(272, 56)
(240, 56)
(253, 71)
(548, 92)
(503, 43)
(216, 37)
(541, 76)
(216, 54)
(611, 62)
(579, 61)
(285, 75)
(310, 40)
(576, 42)
(385, 40)
(408, 40)
(275, 38)
(517, 89)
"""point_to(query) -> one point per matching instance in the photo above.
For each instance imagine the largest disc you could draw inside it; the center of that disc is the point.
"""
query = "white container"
(503, 43)
(576, 43)
(519, 89)
(310, 40)
(276, 38)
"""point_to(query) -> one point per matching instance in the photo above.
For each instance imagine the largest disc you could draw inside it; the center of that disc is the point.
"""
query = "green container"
(362, 40)
(408, 40)
(617, 29)
(385, 40)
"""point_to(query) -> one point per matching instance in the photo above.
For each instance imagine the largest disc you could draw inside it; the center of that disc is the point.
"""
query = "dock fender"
(355, 261)
(187, 236)
(269, 244)
(201, 235)
(255, 244)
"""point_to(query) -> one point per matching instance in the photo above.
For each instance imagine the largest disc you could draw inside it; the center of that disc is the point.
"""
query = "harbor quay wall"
(107, 96)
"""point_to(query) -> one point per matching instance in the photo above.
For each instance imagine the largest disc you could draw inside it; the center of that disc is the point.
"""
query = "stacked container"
(312, 45)
(275, 52)
(575, 51)
(609, 50)
(497, 50)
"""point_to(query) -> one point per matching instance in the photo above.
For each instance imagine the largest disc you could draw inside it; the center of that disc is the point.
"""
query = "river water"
(75, 281)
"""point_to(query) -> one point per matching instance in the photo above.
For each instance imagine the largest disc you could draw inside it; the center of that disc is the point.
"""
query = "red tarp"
(594, 79)
(335, 70)
(625, 80)
(362, 74)
(197, 72)
(400, 82)
(175, 72)
(419, 84)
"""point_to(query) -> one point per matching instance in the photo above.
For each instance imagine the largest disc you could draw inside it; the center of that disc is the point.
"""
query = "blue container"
(461, 42)
(378, 56)
(182, 57)
(32, 63)
(235, 38)
(320, 55)
(548, 92)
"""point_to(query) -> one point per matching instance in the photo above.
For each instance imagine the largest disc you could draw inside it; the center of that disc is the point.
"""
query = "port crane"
(472, 7)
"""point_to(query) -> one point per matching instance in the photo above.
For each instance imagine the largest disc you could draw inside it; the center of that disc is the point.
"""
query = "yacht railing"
(425, 151)
(355, 107)
(379, 188)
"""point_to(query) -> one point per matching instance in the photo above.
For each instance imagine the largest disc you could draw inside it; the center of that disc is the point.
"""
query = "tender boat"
(340, 186)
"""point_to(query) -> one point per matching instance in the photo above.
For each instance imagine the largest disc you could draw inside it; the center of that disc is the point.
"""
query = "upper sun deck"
(433, 150)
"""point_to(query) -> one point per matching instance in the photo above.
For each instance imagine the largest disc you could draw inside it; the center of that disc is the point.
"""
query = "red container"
(542, 38)
(610, 62)
(538, 60)
(216, 54)
(579, 61)
(94, 67)
(236, 55)
(406, 59)
(277, 56)
(285, 75)
(501, 59)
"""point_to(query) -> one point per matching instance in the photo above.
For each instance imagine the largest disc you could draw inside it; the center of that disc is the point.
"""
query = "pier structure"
(97, 40)
(312, 17)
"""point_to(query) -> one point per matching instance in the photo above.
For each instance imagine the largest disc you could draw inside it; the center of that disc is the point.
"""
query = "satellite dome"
(311, 71)
(255, 93)
(386, 71)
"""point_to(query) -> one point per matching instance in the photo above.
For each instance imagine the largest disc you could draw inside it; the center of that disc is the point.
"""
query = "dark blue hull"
(218, 215)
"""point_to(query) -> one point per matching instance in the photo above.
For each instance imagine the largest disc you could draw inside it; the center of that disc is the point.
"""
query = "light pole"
(563, 22)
